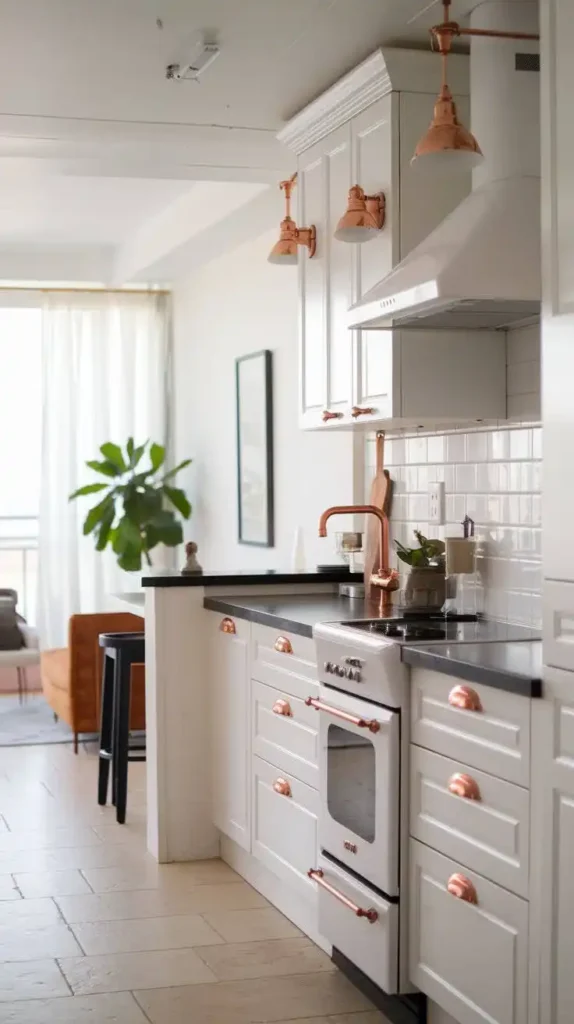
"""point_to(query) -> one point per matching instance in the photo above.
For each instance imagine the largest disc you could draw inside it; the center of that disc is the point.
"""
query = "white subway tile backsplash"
(417, 450)
(477, 447)
(465, 478)
(437, 448)
(495, 477)
(455, 447)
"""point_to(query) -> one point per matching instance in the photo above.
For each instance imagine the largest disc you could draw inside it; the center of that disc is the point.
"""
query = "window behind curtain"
(20, 452)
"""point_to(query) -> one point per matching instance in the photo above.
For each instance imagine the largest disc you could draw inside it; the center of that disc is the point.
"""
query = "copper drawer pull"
(363, 723)
(316, 875)
(328, 415)
(463, 785)
(465, 698)
(282, 707)
(227, 626)
(462, 887)
(283, 645)
(282, 787)
(357, 411)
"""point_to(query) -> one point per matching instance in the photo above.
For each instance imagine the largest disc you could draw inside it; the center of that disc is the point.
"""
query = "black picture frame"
(254, 418)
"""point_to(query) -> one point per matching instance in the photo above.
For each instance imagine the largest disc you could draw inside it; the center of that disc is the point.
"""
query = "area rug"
(30, 723)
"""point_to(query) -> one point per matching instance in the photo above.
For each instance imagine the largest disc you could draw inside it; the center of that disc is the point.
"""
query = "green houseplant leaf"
(132, 517)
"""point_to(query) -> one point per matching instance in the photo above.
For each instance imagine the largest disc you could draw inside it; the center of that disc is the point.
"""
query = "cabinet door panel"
(552, 850)
(230, 731)
(339, 256)
(312, 283)
(375, 168)
(470, 958)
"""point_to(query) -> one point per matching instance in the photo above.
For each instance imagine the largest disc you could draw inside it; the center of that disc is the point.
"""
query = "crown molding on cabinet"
(386, 70)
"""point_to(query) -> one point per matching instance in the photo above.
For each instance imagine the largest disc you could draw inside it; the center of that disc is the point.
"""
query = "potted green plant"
(137, 512)
(426, 582)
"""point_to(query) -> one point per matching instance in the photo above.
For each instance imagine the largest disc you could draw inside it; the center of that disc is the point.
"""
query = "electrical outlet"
(436, 504)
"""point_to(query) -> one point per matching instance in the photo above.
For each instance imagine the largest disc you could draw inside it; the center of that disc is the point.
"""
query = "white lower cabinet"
(284, 824)
(230, 731)
(285, 731)
(469, 957)
(471, 816)
(369, 939)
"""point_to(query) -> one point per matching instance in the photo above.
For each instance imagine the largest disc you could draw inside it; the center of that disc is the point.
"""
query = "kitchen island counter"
(513, 666)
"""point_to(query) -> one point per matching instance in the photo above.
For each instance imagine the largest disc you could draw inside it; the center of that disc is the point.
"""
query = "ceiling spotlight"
(364, 216)
(285, 250)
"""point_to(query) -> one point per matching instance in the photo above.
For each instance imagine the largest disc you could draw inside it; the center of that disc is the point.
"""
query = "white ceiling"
(96, 143)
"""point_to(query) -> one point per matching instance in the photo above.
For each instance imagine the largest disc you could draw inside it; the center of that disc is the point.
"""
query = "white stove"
(363, 780)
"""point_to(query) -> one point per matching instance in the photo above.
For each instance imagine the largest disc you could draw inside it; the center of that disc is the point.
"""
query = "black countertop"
(249, 577)
(509, 665)
(296, 613)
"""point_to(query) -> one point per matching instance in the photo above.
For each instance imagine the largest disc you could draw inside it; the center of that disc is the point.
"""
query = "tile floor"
(93, 931)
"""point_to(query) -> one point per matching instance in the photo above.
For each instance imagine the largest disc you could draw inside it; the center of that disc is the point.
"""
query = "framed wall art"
(254, 398)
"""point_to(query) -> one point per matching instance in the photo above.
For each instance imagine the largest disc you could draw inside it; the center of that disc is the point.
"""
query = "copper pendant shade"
(446, 135)
(365, 215)
(285, 250)
(447, 143)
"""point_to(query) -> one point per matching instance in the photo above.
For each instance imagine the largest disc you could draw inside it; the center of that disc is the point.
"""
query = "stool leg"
(106, 723)
(20, 685)
(123, 733)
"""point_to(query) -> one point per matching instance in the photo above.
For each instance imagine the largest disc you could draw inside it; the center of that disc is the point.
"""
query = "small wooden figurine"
(191, 565)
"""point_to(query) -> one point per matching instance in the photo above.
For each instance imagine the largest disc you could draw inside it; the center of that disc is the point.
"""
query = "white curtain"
(105, 378)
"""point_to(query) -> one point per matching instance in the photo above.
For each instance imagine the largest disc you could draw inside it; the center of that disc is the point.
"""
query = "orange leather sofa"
(72, 676)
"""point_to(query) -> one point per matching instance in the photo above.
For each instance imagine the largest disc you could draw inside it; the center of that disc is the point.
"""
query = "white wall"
(238, 304)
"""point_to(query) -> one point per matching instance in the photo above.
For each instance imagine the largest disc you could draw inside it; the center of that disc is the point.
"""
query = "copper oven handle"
(328, 415)
(463, 785)
(462, 887)
(465, 698)
(363, 723)
(282, 787)
(283, 645)
(316, 875)
(227, 626)
(358, 410)
(282, 707)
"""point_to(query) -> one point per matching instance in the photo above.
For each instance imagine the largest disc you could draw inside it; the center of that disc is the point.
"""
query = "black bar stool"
(121, 651)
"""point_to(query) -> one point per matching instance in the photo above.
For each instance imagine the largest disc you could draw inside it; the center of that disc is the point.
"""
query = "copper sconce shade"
(365, 215)
(285, 250)
(447, 142)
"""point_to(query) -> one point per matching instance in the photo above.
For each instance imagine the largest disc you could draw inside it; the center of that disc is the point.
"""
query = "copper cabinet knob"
(282, 707)
(329, 415)
(462, 887)
(465, 698)
(227, 626)
(283, 645)
(463, 785)
(282, 787)
(358, 410)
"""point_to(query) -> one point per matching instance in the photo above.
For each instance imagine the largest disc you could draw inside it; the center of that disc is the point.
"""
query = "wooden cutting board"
(378, 498)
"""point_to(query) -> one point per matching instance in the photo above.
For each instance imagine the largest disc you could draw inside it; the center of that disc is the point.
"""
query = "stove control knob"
(340, 671)
(327, 666)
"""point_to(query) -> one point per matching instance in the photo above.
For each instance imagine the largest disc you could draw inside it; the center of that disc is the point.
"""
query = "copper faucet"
(346, 509)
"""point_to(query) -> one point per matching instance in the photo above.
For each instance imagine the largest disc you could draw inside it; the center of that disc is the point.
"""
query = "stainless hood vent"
(480, 269)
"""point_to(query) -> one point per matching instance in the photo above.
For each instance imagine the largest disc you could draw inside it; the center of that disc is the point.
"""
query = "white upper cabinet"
(363, 131)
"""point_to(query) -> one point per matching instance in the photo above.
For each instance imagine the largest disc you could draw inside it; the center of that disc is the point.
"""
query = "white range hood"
(480, 269)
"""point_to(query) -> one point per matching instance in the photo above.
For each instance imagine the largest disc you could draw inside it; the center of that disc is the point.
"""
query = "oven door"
(359, 773)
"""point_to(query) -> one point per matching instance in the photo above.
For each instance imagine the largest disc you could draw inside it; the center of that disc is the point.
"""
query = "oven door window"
(351, 773)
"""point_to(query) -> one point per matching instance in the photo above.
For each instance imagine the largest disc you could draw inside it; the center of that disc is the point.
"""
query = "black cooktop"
(411, 625)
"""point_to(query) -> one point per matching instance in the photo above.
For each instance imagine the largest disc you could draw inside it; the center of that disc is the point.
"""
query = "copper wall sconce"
(285, 250)
(364, 216)
(447, 143)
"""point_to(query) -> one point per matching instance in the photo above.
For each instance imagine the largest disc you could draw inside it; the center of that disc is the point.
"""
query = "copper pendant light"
(285, 250)
(364, 216)
(447, 143)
